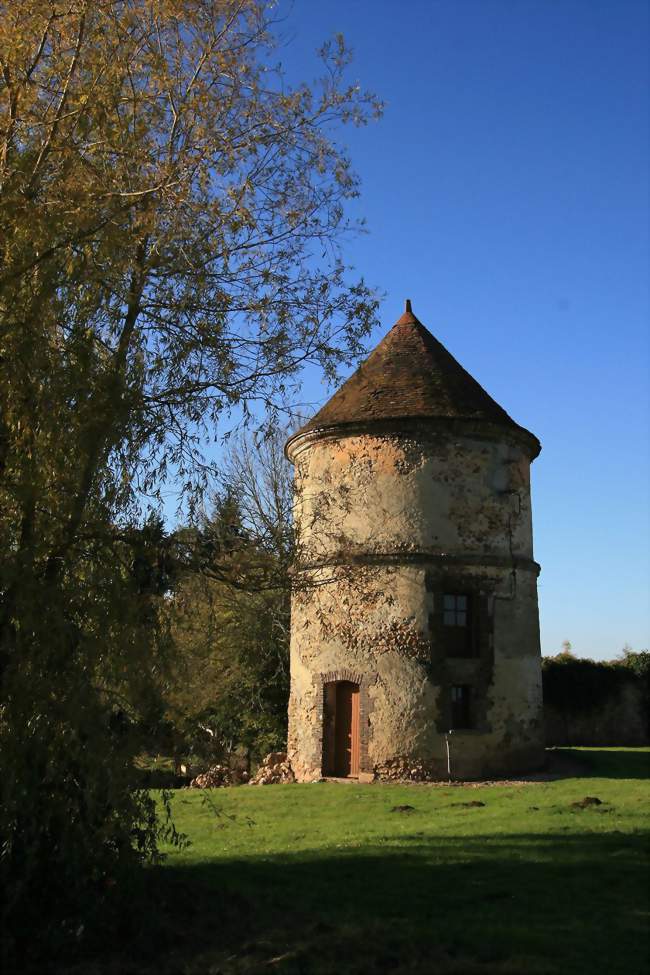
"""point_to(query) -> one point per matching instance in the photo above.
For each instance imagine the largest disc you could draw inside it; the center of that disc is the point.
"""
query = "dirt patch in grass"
(586, 802)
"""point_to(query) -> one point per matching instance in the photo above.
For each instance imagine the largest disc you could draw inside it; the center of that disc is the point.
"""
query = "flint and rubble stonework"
(392, 512)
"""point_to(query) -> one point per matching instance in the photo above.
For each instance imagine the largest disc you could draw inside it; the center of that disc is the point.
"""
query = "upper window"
(455, 608)
(457, 623)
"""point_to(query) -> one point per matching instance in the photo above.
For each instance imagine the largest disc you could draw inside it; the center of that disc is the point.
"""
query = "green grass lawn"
(327, 878)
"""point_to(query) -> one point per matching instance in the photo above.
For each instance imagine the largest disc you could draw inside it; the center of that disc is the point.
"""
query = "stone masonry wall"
(387, 525)
(371, 494)
(372, 625)
(620, 720)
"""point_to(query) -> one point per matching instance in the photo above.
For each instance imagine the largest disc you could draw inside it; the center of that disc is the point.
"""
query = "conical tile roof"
(411, 374)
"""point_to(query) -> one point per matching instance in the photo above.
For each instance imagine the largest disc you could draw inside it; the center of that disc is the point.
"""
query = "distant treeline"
(588, 702)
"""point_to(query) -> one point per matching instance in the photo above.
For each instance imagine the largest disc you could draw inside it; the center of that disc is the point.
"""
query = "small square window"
(455, 609)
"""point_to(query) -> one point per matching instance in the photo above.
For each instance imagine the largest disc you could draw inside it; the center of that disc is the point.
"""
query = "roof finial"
(408, 308)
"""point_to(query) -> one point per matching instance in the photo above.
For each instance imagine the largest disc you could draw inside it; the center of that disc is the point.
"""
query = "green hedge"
(576, 685)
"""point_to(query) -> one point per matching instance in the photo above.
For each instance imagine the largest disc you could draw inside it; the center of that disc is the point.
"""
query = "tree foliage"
(229, 618)
(170, 219)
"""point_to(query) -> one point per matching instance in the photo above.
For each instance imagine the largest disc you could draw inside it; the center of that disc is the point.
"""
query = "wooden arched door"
(341, 729)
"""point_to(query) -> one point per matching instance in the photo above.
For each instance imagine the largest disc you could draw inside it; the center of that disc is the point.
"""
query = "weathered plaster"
(392, 493)
(387, 523)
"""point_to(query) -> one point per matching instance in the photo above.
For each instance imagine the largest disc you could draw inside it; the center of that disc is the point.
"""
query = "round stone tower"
(414, 628)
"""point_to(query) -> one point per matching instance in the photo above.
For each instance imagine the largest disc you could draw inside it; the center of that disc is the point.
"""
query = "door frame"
(364, 718)
(341, 725)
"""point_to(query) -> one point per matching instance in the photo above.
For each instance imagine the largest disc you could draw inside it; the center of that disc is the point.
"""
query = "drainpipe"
(447, 734)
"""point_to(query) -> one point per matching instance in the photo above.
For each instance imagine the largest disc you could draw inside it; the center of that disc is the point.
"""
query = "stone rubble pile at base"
(219, 775)
(404, 770)
(274, 770)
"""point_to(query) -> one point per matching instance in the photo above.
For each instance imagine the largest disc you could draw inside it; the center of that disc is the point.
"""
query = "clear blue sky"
(506, 193)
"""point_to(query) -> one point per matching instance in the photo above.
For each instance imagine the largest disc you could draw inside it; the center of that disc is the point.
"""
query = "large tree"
(170, 219)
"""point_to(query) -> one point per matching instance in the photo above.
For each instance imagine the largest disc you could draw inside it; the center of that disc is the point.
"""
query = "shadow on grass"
(609, 764)
(538, 904)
